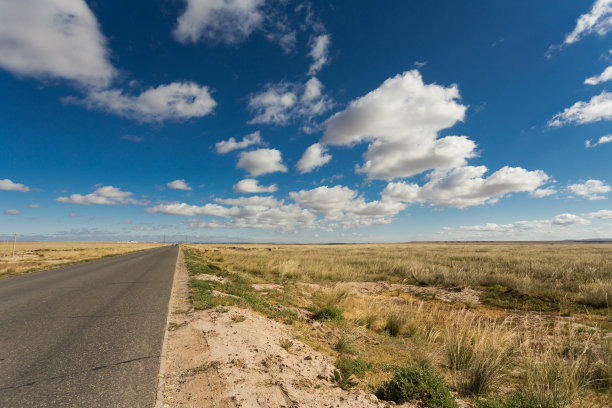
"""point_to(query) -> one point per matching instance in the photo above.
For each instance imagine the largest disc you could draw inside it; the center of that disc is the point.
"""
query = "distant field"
(34, 256)
(503, 324)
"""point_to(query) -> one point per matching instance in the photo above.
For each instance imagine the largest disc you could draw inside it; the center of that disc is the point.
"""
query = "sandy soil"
(461, 295)
(232, 357)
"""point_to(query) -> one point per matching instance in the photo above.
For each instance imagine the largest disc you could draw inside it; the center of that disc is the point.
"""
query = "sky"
(290, 121)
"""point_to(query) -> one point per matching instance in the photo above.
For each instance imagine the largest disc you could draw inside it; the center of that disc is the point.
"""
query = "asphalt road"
(87, 335)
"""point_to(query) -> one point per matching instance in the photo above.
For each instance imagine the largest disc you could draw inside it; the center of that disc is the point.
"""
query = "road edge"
(159, 399)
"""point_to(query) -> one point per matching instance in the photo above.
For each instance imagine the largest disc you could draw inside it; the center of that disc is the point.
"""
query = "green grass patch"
(353, 366)
(415, 384)
(329, 312)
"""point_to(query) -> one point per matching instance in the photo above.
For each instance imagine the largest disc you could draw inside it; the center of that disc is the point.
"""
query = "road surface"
(87, 335)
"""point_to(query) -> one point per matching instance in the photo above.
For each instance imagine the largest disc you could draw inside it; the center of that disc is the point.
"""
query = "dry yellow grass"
(33, 256)
(489, 318)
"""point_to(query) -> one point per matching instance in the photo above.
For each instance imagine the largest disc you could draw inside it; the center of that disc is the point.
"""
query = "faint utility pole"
(14, 244)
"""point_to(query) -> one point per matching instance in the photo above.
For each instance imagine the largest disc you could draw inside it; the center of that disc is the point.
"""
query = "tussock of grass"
(395, 323)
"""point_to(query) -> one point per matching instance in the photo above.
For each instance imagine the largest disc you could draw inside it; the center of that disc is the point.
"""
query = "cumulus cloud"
(54, 39)
(285, 102)
(601, 140)
(174, 101)
(598, 20)
(320, 208)
(466, 186)
(226, 146)
(219, 21)
(324, 200)
(543, 192)
(12, 212)
(179, 185)
(598, 108)
(601, 215)
(233, 21)
(319, 52)
(558, 224)
(253, 186)
(261, 161)
(106, 195)
(8, 185)
(315, 156)
(401, 120)
(591, 189)
(603, 77)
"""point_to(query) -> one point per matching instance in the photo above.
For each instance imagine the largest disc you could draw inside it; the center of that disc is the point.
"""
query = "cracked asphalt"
(87, 335)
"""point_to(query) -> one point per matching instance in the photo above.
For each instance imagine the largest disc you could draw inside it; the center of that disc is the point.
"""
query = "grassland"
(35, 256)
(502, 324)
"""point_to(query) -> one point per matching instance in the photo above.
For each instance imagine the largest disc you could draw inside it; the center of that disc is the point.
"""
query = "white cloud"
(603, 77)
(179, 185)
(559, 225)
(8, 185)
(341, 204)
(285, 102)
(319, 52)
(253, 186)
(543, 192)
(401, 120)
(34, 206)
(175, 101)
(598, 108)
(233, 21)
(598, 20)
(224, 21)
(568, 219)
(324, 200)
(465, 186)
(320, 208)
(601, 140)
(261, 161)
(107, 195)
(54, 39)
(601, 215)
(591, 189)
(12, 212)
(226, 146)
(315, 156)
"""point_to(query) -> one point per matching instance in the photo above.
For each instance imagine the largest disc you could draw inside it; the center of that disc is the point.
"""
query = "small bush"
(394, 324)
(515, 400)
(352, 366)
(413, 383)
(329, 312)
(344, 381)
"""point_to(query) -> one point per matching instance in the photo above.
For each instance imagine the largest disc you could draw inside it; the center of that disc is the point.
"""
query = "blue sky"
(287, 121)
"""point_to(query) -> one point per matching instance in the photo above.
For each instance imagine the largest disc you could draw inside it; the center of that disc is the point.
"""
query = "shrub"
(515, 400)
(329, 312)
(413, 383)
(352, 366)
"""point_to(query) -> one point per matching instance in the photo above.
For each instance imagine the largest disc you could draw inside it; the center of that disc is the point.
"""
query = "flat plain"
(500, 324)
(34, 256)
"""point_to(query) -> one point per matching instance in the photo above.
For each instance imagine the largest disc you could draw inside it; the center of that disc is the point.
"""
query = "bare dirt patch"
(232, 357)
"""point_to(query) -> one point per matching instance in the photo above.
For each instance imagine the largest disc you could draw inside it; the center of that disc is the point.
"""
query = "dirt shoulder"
(232, 357)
